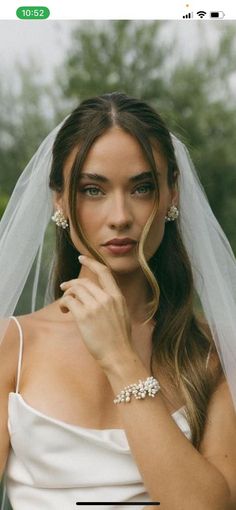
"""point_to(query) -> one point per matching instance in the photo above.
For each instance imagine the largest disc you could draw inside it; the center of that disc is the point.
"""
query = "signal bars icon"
(189, 15)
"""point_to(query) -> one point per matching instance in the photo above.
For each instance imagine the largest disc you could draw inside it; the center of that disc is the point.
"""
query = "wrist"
(124, 368)
(114, 360)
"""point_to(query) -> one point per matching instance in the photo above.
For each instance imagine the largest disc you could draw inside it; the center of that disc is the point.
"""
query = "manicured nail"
(81, 258)
(62, 284)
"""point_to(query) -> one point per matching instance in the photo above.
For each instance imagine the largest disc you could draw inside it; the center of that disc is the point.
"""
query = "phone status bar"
(105, 10)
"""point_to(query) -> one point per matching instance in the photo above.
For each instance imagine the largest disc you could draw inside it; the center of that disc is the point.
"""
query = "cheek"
(91, 219)
(89, 213)
(88, 218)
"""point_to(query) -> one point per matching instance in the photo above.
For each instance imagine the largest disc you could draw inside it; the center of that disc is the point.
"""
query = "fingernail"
(62, 284)
(81, 258)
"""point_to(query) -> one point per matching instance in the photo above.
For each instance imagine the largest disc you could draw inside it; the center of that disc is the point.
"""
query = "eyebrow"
(102, 178)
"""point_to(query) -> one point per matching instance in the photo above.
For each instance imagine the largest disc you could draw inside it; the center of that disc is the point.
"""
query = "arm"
(173, 471)
(9, 348)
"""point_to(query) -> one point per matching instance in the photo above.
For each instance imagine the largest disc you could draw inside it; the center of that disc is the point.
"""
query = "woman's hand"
(100, 312)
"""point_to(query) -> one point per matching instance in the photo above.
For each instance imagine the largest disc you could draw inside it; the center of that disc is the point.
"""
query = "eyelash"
(149, 185)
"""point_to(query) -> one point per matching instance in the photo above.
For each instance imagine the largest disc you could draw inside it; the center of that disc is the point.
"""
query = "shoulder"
(218, 444)
(30, 324)
(10, 345)
(45, 324)
(50, 314)
(39, 320)
(9, 353)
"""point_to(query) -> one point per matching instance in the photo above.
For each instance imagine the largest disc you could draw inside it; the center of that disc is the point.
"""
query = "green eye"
(145, 188)
(93, 191)
(142, 189)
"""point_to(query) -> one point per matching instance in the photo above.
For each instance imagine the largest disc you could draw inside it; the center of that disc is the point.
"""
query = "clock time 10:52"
(33, 12)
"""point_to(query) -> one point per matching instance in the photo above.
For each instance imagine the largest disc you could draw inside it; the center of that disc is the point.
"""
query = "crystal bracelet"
(149, 386)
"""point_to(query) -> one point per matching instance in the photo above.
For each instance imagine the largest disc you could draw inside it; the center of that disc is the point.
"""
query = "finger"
(82, 294)
(104, 275)
(70, 304)
(94, 289)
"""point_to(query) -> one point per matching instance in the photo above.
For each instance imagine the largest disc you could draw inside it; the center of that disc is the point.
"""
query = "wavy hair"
(181, 339)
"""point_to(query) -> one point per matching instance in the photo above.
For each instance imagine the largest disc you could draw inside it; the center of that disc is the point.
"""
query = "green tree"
(195, 97)
(106, 56)
(24, 121)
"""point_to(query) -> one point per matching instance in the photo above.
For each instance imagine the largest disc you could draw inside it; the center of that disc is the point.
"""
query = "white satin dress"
(56, 466)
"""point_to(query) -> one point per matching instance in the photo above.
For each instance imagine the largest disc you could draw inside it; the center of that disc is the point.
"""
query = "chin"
(122, 266)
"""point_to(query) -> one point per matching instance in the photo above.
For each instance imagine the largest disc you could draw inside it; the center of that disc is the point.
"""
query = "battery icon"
(217, 14)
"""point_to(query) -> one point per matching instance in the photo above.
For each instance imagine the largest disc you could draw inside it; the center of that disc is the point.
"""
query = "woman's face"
(116, 197)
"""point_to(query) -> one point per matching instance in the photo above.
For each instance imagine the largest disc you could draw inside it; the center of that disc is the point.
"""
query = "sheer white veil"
(22, 231)
(28, 213)
(212, 261)
(22, 242)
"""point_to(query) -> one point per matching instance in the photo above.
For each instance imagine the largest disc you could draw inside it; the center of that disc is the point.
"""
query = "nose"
(120, 214)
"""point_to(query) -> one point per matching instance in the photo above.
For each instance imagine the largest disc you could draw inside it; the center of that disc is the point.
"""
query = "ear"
(58, 202)
(175, 195)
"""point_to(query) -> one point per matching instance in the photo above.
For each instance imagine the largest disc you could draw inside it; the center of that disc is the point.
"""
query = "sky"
(49, 41)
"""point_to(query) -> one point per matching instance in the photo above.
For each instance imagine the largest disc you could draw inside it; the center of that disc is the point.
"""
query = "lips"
(120, 242)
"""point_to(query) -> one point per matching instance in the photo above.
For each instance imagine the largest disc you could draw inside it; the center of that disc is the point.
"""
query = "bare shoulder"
(44, 329)
(218, 445)
(32, 324)
(42, 320)
(9, 349)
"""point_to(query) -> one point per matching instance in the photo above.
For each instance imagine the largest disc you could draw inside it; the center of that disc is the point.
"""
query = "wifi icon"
(201, 14)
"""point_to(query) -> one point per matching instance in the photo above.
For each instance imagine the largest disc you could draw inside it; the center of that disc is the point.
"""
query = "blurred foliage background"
(195, 97)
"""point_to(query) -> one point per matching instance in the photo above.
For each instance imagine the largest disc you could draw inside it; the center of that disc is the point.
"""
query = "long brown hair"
(180, 339)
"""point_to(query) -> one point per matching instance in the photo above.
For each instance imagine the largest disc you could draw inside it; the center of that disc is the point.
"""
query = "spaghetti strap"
(20, 352)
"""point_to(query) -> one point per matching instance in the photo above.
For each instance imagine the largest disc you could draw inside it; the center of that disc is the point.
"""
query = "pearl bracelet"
(149, 386)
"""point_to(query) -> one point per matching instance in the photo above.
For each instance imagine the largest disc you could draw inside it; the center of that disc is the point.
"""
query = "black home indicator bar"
(117, 503)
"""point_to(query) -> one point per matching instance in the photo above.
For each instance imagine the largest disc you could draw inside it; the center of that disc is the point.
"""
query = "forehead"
(117, 151)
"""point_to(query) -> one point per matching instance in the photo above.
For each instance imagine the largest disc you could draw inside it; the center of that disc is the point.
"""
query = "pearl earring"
(60, 219)
(172, 213)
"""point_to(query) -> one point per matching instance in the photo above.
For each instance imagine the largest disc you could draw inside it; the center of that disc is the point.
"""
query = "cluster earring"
(172, 213)
(60, 219)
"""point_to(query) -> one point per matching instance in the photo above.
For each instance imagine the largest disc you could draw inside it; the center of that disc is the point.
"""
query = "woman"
(79, 426)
